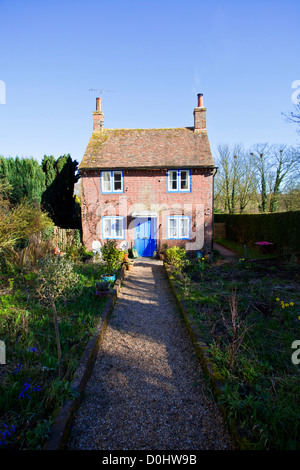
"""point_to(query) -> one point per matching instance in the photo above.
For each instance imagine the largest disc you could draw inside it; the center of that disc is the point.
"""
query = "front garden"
(247, 311)
(48, 310)
(248, 315)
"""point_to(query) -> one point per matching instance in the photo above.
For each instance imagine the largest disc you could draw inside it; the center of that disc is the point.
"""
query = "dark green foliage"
(281, 228)
(176, 256)
(50, 184)
(25, 177)
(48, 166)
(58, 199)
(111, 256)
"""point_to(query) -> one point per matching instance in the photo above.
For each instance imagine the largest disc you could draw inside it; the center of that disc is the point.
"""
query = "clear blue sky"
(155, 56)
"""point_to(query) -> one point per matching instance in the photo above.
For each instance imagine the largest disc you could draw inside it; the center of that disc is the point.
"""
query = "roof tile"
(148, 148)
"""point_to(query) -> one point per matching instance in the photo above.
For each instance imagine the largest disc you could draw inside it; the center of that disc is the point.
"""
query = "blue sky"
(154, 56)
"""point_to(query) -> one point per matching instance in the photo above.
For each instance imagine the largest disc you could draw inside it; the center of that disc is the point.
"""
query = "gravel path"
(147, 390)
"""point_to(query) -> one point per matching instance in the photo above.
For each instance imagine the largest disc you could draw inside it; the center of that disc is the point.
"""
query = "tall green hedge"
(282, 228)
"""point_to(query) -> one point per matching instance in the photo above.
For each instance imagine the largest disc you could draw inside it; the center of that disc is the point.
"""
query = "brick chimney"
(200, 115)
(98, 116)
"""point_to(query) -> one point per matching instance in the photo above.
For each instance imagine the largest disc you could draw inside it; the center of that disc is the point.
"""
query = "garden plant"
(248, 315)
(48, 310)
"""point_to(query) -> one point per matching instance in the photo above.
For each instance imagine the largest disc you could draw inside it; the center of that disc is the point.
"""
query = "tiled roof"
(147, 148)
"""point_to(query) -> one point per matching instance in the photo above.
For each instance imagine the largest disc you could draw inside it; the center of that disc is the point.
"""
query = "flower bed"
(31, 393)
(247, 314)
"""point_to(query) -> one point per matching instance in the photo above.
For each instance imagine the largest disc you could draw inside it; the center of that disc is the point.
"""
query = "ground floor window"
(178, 227)
(113, 227)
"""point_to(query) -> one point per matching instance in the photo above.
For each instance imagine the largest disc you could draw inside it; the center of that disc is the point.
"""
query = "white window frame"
(175, 232)
(111, 181)
(111, 234)
(171, 179)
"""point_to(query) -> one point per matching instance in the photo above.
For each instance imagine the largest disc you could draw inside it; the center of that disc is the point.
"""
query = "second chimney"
(200, 115)
(98, 116)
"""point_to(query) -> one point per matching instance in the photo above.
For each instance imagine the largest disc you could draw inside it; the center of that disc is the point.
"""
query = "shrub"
(176, 256)
(55, 280)
(111, 255)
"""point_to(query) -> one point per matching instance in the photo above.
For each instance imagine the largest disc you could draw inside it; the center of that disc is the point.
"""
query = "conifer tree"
(59, 199)
(25, 178)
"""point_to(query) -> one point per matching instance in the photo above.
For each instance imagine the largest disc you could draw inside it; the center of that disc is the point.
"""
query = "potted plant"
(129, 264)
(102, 288)
(112, 260)
(124, 250)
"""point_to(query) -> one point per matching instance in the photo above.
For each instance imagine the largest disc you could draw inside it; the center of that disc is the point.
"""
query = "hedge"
(281, 228)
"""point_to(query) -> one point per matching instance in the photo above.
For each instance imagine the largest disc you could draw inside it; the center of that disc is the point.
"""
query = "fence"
(65, 237)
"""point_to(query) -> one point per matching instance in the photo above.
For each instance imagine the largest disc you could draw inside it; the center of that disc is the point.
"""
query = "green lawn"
(252, 251)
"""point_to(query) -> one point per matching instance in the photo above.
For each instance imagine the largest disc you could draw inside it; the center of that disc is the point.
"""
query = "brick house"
(150, 187)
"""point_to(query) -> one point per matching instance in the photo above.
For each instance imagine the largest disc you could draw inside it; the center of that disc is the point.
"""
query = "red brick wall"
(147, 190)
(199, 118)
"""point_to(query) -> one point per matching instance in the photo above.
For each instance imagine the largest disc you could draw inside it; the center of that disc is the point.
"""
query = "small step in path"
(147, 390)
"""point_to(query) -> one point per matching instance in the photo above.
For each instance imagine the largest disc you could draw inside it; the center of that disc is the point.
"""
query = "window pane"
(117, 181)
(118, 228)
(184, 181)
(106, 179)
(173, 228)
(183, 228)
(107, 228)
(173, 180)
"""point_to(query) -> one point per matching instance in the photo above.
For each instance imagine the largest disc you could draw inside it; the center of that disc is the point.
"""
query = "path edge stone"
(239, 435)
(62, 425)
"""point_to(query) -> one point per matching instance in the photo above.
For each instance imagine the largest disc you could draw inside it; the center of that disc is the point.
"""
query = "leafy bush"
(18, 224)
(111, 256)
(176, 257)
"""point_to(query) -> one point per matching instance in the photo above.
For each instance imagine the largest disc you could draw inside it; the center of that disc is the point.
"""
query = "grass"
(252, 251)
(248, 312)
(30, 391)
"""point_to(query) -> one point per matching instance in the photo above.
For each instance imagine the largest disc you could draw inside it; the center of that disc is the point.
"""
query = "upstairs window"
(179, 181)
(112, 182)
(178, 227)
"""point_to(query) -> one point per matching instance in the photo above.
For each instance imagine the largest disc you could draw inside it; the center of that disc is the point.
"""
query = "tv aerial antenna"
(102, 91)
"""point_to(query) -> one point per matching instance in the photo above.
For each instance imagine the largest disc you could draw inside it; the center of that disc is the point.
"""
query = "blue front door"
(145, 238)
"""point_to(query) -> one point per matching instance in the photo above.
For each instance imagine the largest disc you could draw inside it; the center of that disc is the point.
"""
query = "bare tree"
(294, 117)
(284, 160)
(227, 178)
(274, 164)
(247, 184)
(235, 181)
(260, 158)
(55, 280)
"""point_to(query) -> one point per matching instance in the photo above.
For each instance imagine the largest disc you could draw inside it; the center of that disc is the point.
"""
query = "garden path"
(147, 390)
(224, 251)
